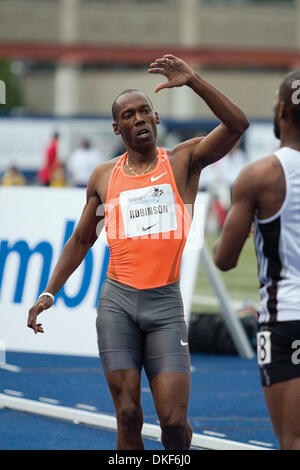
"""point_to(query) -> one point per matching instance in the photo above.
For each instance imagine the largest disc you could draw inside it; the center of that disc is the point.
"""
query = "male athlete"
(140, 315)
(268, 192)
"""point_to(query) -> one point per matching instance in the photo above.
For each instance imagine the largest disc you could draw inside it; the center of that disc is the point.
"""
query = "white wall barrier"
(24, 140)
(35, 224)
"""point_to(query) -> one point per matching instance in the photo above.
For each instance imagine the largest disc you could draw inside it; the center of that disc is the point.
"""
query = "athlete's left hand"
(176, 70)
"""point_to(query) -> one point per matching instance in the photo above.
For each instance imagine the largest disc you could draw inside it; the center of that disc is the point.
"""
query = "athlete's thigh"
(166, 335)
(280, 375)
(167, 365)
(277, 352)
(283, 401)
(125, 388)
(171, 396)
(120, 340)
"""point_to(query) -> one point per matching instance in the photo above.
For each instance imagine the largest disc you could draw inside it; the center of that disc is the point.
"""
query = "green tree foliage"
(14, 94)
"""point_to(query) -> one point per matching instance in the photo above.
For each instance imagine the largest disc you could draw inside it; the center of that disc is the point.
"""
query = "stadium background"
(63, 63)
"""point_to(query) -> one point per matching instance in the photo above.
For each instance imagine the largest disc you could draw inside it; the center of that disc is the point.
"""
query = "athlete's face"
(136, 121)
(276, 109)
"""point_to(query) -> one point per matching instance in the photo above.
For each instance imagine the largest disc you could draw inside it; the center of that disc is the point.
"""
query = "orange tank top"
(146, 225)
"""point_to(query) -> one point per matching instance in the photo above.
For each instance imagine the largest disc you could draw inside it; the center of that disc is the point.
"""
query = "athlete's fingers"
(161, 86)
(164, 64)
(31, 323)
(159, 64)
(157, 70)
(39, 307)
(156, 63)
(170, 56)
(39, 328)
(163, 61)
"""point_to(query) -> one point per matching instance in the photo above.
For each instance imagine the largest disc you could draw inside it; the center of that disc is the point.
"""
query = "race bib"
(264, 347)
(149, 210)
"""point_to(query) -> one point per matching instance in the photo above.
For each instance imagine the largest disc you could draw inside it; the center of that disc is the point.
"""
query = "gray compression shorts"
(142, 327)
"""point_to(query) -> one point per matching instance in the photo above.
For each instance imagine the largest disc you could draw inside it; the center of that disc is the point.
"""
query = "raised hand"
(174, 69)
(43, 303)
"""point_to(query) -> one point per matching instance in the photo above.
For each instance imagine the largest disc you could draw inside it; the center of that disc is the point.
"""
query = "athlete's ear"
(282, 110)
(157, 118)
(287, 112)
(116, 128)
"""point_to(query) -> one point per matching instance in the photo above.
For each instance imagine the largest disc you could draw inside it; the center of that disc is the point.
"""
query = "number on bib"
(264, 347)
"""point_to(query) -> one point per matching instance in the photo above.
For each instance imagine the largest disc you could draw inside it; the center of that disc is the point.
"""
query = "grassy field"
(241, 283)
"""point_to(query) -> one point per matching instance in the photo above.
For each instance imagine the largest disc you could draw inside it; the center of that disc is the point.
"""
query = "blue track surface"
(226, 398)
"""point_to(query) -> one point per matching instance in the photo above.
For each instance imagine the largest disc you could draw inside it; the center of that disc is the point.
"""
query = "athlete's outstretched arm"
(238, 222)
(82, 239)
(219, 142)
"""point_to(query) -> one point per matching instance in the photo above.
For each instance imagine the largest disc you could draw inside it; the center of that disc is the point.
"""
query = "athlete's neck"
(290, 137)
(140, 160)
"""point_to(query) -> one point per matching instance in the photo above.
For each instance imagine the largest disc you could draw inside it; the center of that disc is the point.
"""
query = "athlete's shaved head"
(114, 108)
(289, 93)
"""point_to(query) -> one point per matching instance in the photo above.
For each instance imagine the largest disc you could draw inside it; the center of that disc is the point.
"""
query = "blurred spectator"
(58, 176)
(81, 163)
(50, 160)
(13, 177)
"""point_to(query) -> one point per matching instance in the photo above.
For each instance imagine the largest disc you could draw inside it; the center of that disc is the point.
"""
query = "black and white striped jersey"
(277, 243)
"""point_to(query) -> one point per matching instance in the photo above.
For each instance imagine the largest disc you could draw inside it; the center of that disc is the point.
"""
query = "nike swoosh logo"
(148, 228)
(155, 178)
(182, 343)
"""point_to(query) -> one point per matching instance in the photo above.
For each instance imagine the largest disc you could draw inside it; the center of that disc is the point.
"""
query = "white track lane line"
(15, 393)
(52, 401)
(86, 407)
(151, 431)
(10, 367)
(212, 433)
(268, 444)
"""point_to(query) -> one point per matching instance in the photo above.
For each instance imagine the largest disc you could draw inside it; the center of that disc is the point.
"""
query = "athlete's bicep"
(237, 225)
(89, 225)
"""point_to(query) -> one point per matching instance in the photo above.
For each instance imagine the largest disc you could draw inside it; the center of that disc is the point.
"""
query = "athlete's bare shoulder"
(264, 182)
(268, 172)
(106, 167)
(257, 172)
(274, 179)
(184, 149)
(99, 179)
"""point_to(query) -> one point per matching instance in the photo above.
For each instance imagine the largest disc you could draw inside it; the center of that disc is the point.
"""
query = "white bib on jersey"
(148, 210)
